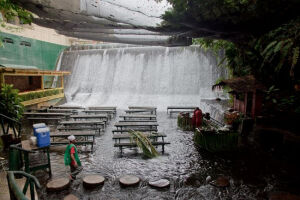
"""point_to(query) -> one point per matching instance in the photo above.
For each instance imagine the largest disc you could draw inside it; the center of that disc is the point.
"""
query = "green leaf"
(268, 47)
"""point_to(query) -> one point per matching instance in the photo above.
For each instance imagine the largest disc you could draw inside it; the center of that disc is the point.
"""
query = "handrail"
(42, 90)
(217, 122)
(11, 123)
(11, 119)
(18, 193)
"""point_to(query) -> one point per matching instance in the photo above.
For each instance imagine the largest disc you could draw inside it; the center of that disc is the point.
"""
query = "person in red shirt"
(197, 118)
(194, 119)
(71, 158)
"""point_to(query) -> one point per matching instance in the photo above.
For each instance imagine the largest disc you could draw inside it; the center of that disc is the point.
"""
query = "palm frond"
(143, 143)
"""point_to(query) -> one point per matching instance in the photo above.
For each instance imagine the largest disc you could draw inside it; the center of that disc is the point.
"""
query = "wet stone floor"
(251, 175)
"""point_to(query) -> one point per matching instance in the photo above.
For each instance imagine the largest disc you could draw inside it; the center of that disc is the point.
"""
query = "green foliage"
(229, 19)
(184, 122)
(209, 139)
(278, 100)
(233, 59)
(35, 95)
(282, 48)
(10, 102)
(12, 10)
(143, 143)
(271, 58)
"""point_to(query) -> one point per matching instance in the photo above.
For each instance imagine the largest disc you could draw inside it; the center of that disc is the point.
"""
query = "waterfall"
(142, 76)
(55, 79)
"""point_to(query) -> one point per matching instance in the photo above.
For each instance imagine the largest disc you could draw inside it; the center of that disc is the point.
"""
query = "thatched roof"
(241, 84)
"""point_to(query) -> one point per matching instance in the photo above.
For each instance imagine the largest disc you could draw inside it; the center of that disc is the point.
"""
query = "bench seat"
(135, 129)
(78, 128)
(88, 142)
(130, 144)
(44, 118)
(126, 136)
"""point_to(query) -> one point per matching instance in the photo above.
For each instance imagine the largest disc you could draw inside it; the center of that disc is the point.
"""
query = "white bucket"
(33, 140)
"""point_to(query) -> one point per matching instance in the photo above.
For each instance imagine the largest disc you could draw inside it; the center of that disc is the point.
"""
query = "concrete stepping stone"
(162, 183)
(58, 184)
(71, 197)
(129, 180)
(92, 181)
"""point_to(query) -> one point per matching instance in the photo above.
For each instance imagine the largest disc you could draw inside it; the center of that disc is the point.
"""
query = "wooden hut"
(247, 94)
(34, 85)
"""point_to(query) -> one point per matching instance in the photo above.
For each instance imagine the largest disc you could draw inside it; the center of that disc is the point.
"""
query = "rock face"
(58, 184)
(129, 180)
(71, 197)
(92, 181)
(162, 183)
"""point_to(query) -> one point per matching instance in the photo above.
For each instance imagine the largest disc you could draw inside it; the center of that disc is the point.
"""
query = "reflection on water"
(251, 177)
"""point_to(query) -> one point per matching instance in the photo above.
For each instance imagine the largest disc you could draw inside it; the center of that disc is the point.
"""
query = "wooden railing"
(34, 97)
(10, 123)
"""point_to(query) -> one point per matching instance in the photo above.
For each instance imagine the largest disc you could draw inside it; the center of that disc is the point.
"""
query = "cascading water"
(141, 76)
(158, 76)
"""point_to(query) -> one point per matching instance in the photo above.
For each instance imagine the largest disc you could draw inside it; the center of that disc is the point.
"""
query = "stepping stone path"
(58, 184)
(92, 181)
(160, 183)
(129, 180)
(71, 197)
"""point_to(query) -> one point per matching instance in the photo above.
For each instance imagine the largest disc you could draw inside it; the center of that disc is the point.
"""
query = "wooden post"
(62, 81)
(42, 82)
(2, 80)
(49, 162)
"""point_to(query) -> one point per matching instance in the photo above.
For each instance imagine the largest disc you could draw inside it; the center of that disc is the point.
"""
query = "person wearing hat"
(71, 158)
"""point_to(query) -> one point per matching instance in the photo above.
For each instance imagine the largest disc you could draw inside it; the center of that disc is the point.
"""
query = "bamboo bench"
(136, 129)
(138, 120)
(97, 123)
(129, 144)
(44, 118)
(136, 125)
(67, 107)
(103, 108)
(118, 137)
(51, 110)
(99, 116)
(102, 117)
(152, 112)
(110, 113)
(143, 107)
(54, 120)
(180, 109)
(85, 135)
(79, 128)
(46, 114)
(138, 117)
